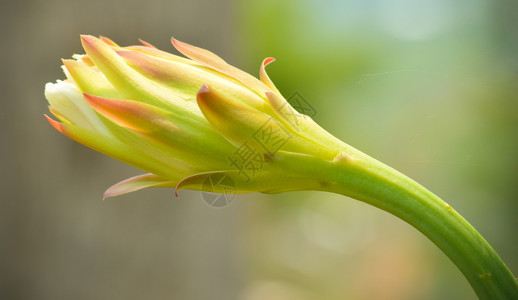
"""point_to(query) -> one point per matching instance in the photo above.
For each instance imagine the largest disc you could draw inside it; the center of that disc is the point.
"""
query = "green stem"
(361, 177)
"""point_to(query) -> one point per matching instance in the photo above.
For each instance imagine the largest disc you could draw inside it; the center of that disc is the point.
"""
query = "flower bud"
(182, 119)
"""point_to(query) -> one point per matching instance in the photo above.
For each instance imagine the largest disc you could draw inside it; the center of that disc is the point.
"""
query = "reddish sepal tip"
(204, 89)
(146, 44)
(55, 124)
(268, 61)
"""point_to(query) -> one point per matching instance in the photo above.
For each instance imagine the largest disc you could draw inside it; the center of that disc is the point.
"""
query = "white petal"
(68, 100)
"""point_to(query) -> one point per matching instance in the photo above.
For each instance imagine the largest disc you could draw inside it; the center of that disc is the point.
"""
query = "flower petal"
(240, 124)
(115, 148)
(108, 41)
(185, 79)
(146, 44)
(264, 76)
(300, 123)
(161, 54)
(317, 140)
(284, 111)
(137, 183)
(213, 61)
(67, 100)
(129, 82)
(235, 120)
(59, 115)
(89, 79)
(153, 129)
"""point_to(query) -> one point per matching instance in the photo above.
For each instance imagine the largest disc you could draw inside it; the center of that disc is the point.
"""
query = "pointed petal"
(196, 53)
(241, 124)
(130, 114)
(108, 41)
(89, 79)
(184, 79)
(69, 102)
(213, 61)
(264, 76)
(116, 149)
(162, 54)
(176, 140)
(137, 183)
(57, 125)
(146, 44)
(235, 120)
(129, 82)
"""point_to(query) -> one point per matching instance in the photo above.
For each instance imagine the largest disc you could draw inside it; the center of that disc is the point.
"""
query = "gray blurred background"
(429, 87)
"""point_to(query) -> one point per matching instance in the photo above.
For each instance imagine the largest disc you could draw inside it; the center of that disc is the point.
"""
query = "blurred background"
(429, 87)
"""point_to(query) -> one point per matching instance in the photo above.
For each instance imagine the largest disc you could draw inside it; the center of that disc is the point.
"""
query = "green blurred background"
(429, 87)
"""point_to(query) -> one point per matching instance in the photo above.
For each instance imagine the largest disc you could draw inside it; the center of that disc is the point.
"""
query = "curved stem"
(361, 177)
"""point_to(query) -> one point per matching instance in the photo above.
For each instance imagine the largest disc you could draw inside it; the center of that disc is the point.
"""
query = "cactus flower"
(186, 120)
(181, 119)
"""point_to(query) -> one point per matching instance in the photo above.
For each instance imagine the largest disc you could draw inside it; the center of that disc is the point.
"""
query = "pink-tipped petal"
(173, 139)
(137, 183)
(195, 52)
(161, 54)
(214, 62)
(57, 125)
(108, 41)
(185, 80)
(130, 83)
(146, 44)
(116, 149)
(127, 113)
